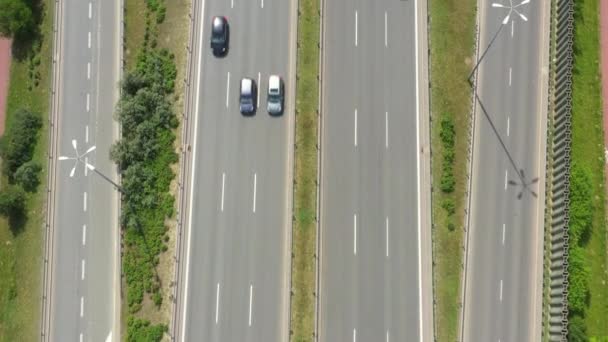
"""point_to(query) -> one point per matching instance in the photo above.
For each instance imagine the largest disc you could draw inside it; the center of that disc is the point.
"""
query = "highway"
(84, 299)
(503, 289)
(235, 279)
(372, 230)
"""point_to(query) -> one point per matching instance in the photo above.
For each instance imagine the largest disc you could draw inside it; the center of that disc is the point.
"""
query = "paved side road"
(82, 278)
(375, 248)
(503, 289)
(234, 276)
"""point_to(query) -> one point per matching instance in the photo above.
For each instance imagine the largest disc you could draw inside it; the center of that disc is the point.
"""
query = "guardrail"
(556, 262)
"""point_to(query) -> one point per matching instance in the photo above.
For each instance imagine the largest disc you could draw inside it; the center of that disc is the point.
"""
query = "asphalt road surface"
(84, 300)
(504, 277)
(370, 287)
(236, 278)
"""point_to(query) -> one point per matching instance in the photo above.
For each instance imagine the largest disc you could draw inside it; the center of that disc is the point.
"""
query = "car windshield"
(274, 97)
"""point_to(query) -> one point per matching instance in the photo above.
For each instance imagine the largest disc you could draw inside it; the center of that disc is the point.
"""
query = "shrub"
(581, 204)
(12, 201)
(577, 330)
(579, 273)
(449, 205)
(28, 176)
(20, 140)
(139, 330)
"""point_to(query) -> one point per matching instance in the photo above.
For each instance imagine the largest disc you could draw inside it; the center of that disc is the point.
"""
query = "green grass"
(304, 230)
(452, 42)
(588, 151)
(21, 250)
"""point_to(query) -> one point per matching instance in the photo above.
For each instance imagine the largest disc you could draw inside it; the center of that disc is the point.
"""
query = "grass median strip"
(588, 293)
(305, 200)
(21, 243)
(452, 40)
(147, 158)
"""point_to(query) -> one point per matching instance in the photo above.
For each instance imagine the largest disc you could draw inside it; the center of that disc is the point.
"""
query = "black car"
(219, 36)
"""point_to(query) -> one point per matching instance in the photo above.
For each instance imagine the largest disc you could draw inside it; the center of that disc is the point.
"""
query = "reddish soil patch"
(5, 65)
(604, 70)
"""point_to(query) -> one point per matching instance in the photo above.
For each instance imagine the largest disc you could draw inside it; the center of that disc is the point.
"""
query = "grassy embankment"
(155, 36)
(305, 206)
(21, 247)
(588, 296)
(452, 40)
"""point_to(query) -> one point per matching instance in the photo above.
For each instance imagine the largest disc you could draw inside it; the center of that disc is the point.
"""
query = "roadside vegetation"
(452, 41)
(23, 150)
(304, 259)
(146, 156)
(588, 275)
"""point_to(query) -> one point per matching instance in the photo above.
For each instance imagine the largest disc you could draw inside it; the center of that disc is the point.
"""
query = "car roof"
(274, 82)
(246, 85)
(218, 24)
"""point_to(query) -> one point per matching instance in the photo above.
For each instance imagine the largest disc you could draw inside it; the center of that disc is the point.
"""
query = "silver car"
(275, 95)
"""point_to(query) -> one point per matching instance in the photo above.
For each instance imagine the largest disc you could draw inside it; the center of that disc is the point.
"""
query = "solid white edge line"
(196, 107)
(255, 188)
(356, 29)
(223, 182)
(420, 324)
(82, 269)
(250, 301)
(217, 302)
(227, 88)
(84, 234)
(81, 306)
(84, 202)
(355, 235)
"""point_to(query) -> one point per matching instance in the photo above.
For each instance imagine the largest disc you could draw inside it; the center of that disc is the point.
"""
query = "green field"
(21, 248)
(588, 152)
(452, 42)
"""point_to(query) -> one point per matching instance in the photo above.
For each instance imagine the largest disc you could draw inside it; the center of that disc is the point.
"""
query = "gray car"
(247, 96)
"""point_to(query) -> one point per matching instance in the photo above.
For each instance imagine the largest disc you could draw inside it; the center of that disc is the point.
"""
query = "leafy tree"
(28, 175)
(19, 140)
(139, 330)
(12, 201)
(16, 18)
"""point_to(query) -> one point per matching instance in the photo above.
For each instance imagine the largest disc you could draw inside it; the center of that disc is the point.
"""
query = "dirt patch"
(5, 67)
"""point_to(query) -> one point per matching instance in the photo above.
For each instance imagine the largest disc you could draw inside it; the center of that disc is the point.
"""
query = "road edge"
(47, 271)
(424, 177)
(472, 129)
